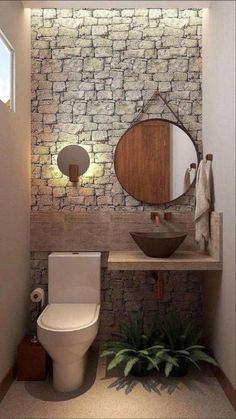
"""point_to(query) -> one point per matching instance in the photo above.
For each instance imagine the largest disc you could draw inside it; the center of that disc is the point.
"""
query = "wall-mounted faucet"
(156, 218)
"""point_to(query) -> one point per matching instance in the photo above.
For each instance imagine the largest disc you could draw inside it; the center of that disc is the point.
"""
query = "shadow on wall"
(212, 282)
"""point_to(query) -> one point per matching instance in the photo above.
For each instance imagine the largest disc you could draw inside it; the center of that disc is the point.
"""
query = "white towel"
(203, 202)
(187, 180)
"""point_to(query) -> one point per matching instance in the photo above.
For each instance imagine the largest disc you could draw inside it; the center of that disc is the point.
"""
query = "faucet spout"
(155, 217)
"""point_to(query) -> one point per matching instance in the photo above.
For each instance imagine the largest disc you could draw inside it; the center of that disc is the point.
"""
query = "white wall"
(14, 189)
(219, 139)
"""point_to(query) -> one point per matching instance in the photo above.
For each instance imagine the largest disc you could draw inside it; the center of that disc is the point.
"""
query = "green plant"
(182, 343)
(136, 349)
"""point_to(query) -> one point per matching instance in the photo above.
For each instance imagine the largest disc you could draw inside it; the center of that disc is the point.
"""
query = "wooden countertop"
(181, 260)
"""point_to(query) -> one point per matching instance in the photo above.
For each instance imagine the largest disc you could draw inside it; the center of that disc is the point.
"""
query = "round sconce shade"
(72, 156)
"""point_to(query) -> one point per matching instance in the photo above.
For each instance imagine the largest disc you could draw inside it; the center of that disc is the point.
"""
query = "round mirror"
(156, 161)
(73, 155)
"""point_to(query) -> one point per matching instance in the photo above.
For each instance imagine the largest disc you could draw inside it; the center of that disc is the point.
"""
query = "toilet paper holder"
(37, 297)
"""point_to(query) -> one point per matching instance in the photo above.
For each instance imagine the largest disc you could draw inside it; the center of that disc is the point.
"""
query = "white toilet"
(69, 323)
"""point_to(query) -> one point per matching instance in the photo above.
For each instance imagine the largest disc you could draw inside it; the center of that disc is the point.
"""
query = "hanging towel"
(203, 202)
(210, 182)
(187, 180)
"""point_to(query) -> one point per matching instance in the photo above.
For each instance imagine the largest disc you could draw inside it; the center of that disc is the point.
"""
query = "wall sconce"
(73, 161)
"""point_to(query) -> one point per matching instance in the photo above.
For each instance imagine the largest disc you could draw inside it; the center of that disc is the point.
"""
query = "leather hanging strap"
(146, 105)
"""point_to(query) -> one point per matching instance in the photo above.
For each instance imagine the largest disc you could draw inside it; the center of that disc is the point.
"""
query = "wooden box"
(31, 361)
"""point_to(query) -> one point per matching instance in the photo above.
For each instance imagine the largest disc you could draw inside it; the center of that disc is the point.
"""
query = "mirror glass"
(156, 161)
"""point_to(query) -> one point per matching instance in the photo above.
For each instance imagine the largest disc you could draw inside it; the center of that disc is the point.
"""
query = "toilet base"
(69, 377)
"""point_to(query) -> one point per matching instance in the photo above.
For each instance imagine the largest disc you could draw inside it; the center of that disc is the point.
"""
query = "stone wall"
(92, 70)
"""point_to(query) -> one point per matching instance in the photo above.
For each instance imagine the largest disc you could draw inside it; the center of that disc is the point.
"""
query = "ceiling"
(108, 4)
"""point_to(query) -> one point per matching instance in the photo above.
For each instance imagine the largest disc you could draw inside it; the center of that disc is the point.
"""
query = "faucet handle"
(167, 216)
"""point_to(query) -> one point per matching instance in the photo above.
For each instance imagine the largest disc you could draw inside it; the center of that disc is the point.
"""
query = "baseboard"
(228, 388)
(7, 381)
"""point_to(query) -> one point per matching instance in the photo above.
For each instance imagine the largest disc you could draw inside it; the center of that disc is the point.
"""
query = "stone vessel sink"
(158, 244)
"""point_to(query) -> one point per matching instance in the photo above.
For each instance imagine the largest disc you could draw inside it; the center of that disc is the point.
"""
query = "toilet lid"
(69, 316)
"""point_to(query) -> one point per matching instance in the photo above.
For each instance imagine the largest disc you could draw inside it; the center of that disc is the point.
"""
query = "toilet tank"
(74, 277)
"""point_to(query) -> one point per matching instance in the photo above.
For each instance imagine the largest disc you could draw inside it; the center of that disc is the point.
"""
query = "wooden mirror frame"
(153, 202)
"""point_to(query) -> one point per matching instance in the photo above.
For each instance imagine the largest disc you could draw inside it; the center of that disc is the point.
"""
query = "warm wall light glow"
(94, 170)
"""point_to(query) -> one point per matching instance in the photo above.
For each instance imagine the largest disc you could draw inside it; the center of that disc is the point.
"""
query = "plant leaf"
(118, 345)
(155, 347)
(171, 360)
(192, 360)
(130, 365)
(123, 351)
(182, 352)
(153, 362)
(169, 337)
(196, 337)
(107, 353)
(195, 347)
(143, 352)
(116, 361)
(199, 355)
(168, 368)
(150, 366)
(161, 352)
(188, 329)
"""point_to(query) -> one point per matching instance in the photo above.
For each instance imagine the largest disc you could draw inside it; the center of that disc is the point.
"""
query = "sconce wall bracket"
(73, 172)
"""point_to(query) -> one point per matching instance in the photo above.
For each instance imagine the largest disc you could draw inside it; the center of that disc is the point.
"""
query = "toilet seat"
(68, 317)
